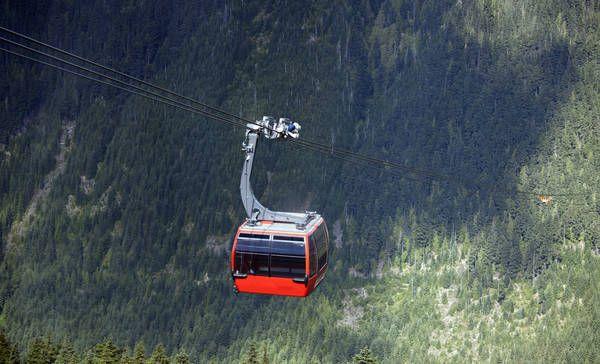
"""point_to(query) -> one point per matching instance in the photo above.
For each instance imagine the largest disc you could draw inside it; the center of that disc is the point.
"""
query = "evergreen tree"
(364, 357)
(514, 264)
(159, 356)
(181, 358)
(8, 351)
(66, 354)
(42, 351)
(90, 357)
(421, 235)
(126, 359)
(265, 356)
(139, 353)
(107, 352)
(252, 356)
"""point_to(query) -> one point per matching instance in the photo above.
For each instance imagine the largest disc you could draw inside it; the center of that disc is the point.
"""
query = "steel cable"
(339, 153)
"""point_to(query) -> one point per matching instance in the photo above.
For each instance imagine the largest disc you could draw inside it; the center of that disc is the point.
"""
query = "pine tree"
(89, 357)
(108, 353)
(420, 236)
(159, 355)
(515, 263)
(252, 357)
(126, 359)
(265, 357)
(42, 351)
(364, 357)
(139, 353)
(66, 354)
(8, 352)
(182, 358)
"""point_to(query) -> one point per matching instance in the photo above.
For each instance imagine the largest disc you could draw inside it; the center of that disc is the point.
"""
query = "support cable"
(234, 120)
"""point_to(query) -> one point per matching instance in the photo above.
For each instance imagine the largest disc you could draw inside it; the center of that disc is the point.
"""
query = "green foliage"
(159, 355)
(252, 355)
(139, 353)
(42, 351)
(364, 357)
(9, 353)
(181, 358)
(265, 357)
(107, 352)
(66, 353)
(105, 232)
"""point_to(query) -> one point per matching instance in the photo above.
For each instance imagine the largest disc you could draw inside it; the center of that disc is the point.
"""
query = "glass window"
(281, 247)
(322, 245)
(286, 266)
(322, 260)
(288, 238)
(282, 257)
(313, 256)
(253, 245)
(254, 236)
(251, 263)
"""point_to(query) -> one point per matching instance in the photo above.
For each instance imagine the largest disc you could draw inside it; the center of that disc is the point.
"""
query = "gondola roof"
(268, 227)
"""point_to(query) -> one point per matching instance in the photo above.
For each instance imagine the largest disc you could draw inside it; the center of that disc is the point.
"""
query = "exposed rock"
(71, 206)
(461, 267)
(205, 279)
(355, 273)
(117, 231)
(353, 313)
(379, 269)
(118, 198)
(360, 292)
(338, 234)
(102, 204)
(19, 227)
(217, 244)
(188, 228)
(87, 185)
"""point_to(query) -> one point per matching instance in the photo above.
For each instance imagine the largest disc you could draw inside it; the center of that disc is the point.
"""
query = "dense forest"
(117, 213)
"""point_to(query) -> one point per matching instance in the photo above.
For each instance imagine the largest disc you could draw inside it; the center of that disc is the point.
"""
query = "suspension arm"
(254, 209)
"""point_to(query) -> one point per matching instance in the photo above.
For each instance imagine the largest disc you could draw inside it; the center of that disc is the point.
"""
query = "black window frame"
(322, 246)
(240, 259)
(254, 236)
(291, 267)
(266, 250)
(313, 256)
(257, 246)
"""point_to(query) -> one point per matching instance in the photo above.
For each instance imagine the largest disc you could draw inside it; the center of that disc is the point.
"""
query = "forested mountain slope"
(116, 214)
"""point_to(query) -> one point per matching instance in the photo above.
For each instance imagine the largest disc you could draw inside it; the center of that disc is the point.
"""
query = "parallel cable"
(124, 85)
(159, 98)
(316, 146)
(121, 73)
(339, 153)
(156, 99)
(153, 97)
(383, 163)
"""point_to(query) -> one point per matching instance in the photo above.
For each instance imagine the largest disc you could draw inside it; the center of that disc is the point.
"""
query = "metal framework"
(256, 212)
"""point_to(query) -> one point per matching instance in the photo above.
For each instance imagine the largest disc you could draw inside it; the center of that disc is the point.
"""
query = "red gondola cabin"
(277, 258)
